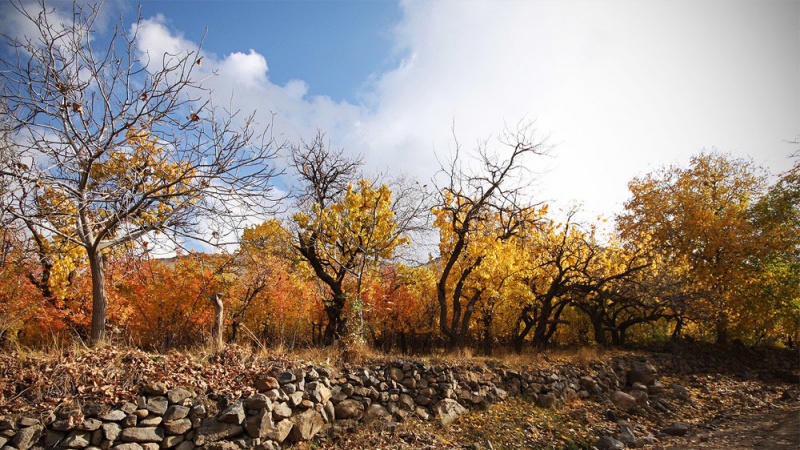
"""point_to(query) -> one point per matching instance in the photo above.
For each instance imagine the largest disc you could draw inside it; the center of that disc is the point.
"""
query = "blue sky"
(619, 88)
(334, 46)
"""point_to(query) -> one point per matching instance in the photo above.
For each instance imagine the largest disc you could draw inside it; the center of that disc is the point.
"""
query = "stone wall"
(294, 405)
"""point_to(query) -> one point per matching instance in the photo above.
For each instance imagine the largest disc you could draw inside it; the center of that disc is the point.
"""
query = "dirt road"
(765, 430)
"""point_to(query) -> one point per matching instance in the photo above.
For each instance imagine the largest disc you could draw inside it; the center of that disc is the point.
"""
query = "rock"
(51, 438)
(266, 384)
(129, 420)
(91, 424)
(349, 409)
(128, 408)
(257, 426)
(330, 411)
(679, 390)
(395, 374)
(448, 411)
(258, 401)
(221, 445)
(306, 425)
(677, 429)
(139, 435)
(151, 421)
(77, 439)
(280, 431)
(171, 441)
(406, 402)
(27, 422)
(27, 437)
(627, 436)
(158, 405)
(179, 426)
(286, 377)
(129, 446)
(281, 411)
(296, 398)
(640, 396)
(177, 396)
(215, 430)
(234, 413)
(609, 443)
(623, 401)
(587, 383)
(176, 412)
(185, 445)
(113, 416)
(546, 400)
(642, 372)
(377, 412)
(324, 394)
(422, 413)
(111, 431)
(157, 388)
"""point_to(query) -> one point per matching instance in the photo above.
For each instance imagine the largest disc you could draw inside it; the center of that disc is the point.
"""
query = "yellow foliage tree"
(698, 216)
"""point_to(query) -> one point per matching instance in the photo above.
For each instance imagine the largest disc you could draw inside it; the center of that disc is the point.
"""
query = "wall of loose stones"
(294, 405)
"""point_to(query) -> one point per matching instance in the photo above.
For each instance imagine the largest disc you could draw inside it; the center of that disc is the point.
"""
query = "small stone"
(176, 412)
(113, 416)
(266, 384)
(158, 405)
(151, 421)
(185, 445)
(129, 420)
(286, 377)
(642, 372)
(258, 401)
(128, 446)
(234, 413)
(256, 426)
(546, 400)
(677, 429)
(51, 438)
(177, 396)
(281, 411)
(306, 425)
(157, 388)
(216, 430)
(280, 431)
(111, 431)
(179, 426)
(27, 437)
(377, 412)
(448, 411)
(128, 408)
(27, 422)
(77, 439)
(609, 443)
(349, 409)
(623, 401)
(141, 435)
(171, 441)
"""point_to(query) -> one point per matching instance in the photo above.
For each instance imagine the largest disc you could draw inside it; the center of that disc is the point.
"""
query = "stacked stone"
(294, 405)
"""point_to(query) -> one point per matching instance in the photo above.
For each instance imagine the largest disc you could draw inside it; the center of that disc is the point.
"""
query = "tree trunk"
(216, 332)
(336, 327)
(98, 331)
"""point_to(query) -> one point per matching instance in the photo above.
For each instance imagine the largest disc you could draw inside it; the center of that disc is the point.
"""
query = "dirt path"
(765, 430)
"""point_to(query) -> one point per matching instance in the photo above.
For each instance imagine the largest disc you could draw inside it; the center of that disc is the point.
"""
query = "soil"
(773, 430)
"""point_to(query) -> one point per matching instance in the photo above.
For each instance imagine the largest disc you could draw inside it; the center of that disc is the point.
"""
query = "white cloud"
(621, 87)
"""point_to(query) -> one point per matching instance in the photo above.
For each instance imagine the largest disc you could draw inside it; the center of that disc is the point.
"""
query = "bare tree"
(109, 145)
(468, 199)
